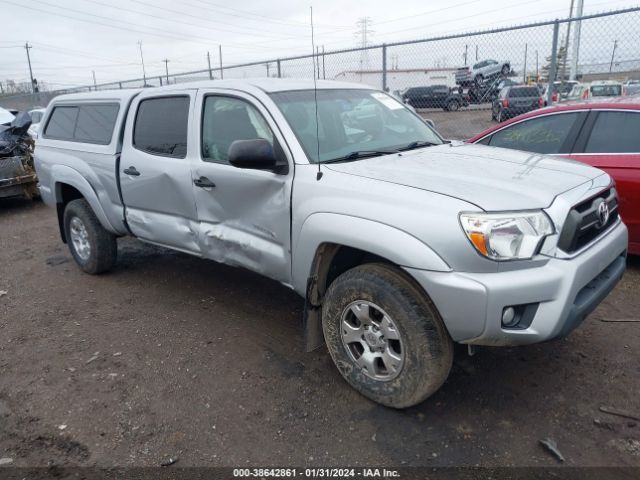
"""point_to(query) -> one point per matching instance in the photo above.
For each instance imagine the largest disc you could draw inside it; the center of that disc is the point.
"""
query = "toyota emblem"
(603, 214)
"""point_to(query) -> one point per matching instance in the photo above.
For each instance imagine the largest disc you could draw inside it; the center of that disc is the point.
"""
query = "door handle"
(204, 182)
(131, 171)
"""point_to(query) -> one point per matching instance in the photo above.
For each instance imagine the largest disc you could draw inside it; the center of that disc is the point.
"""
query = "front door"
(243, 214)
(155, 170)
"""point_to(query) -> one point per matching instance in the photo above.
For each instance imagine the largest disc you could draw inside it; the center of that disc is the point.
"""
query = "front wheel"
(385, 335)
(93, 248)
(453, 106)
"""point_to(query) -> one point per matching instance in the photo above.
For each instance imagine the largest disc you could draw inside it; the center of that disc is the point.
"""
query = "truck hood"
(491, 178)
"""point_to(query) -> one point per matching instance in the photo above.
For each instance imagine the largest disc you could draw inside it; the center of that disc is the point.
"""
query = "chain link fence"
(455, 80)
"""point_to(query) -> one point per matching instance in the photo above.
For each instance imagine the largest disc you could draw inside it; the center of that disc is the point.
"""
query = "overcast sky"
(72, 38)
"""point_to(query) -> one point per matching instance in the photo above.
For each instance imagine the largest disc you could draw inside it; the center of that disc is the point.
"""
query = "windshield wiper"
(417, 144)
(358, 154)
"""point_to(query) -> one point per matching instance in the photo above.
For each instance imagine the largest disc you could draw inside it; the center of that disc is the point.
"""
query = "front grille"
(584, 223)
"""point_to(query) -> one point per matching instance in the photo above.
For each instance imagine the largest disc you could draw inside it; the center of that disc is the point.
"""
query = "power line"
(244, 14)
(194, 39)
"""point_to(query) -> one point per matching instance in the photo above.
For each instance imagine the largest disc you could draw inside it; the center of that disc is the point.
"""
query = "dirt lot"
(171, 355)
(462, 124)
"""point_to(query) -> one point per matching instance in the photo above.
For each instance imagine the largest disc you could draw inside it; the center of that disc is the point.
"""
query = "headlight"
(506, 235)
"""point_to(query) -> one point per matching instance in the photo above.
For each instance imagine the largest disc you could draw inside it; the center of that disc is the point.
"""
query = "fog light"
(508, 317)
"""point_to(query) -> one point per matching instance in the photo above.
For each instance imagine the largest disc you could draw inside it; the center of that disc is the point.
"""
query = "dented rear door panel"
(159, 203)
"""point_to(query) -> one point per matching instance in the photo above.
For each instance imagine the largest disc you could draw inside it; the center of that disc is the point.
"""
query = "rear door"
(243, 214)
(611, 141)
(155, 174)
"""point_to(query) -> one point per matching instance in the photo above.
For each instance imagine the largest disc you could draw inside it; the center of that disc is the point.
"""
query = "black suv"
(436, 96)
(513, 101)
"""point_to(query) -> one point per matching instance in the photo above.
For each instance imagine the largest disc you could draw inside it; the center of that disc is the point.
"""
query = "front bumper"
(563, 291)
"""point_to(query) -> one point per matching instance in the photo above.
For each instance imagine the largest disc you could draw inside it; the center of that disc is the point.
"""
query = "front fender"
(380, 239)
(63, 174)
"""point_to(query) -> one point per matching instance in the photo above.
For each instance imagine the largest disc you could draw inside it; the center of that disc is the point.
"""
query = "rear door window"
(161, 126)
(615, 132)
(547, 134)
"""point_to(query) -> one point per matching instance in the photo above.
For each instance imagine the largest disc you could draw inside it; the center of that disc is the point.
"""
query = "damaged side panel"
(249, 229)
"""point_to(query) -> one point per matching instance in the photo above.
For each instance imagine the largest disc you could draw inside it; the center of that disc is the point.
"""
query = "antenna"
(315, 96)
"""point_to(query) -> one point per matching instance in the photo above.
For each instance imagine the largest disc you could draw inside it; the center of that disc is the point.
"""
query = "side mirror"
(430, 122)
(255, 154)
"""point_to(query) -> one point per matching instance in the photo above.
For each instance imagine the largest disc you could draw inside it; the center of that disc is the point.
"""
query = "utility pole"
(267, 64)
(613, 55)
(524, 70)
(318, 60)
(220, 54)
(323, 71)
(576, 41)
(566, 44)
(144, 73)
(33, 83)
(166, 68)
(537, 73)
(209, 64)
(95, 85)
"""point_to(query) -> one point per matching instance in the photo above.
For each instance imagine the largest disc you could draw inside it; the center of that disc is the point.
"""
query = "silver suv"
(401, 243)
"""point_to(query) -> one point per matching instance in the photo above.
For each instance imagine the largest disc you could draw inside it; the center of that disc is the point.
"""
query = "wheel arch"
(70, 185)
(346, 243)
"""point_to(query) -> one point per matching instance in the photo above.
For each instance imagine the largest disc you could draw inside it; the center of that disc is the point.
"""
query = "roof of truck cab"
(102, 95)
(269, 85)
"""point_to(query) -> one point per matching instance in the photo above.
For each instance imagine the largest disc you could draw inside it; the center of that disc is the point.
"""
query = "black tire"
(103, 248)
(505, 70)
(500, 118)
(426, 345)
(453, 106)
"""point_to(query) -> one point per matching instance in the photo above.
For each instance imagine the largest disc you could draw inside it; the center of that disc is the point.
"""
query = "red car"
(603, 134)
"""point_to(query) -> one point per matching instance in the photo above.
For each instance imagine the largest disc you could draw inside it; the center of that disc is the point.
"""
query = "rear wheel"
(385, 335)
(505, 70)
(93, 248)
(453, 106)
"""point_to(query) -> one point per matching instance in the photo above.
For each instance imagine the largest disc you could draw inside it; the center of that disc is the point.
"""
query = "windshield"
(351, 121)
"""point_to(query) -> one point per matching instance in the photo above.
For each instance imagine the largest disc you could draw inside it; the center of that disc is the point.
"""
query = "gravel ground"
(169, 355)
(460, 125)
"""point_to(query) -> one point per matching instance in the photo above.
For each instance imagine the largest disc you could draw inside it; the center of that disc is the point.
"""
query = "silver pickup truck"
(401, 243)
